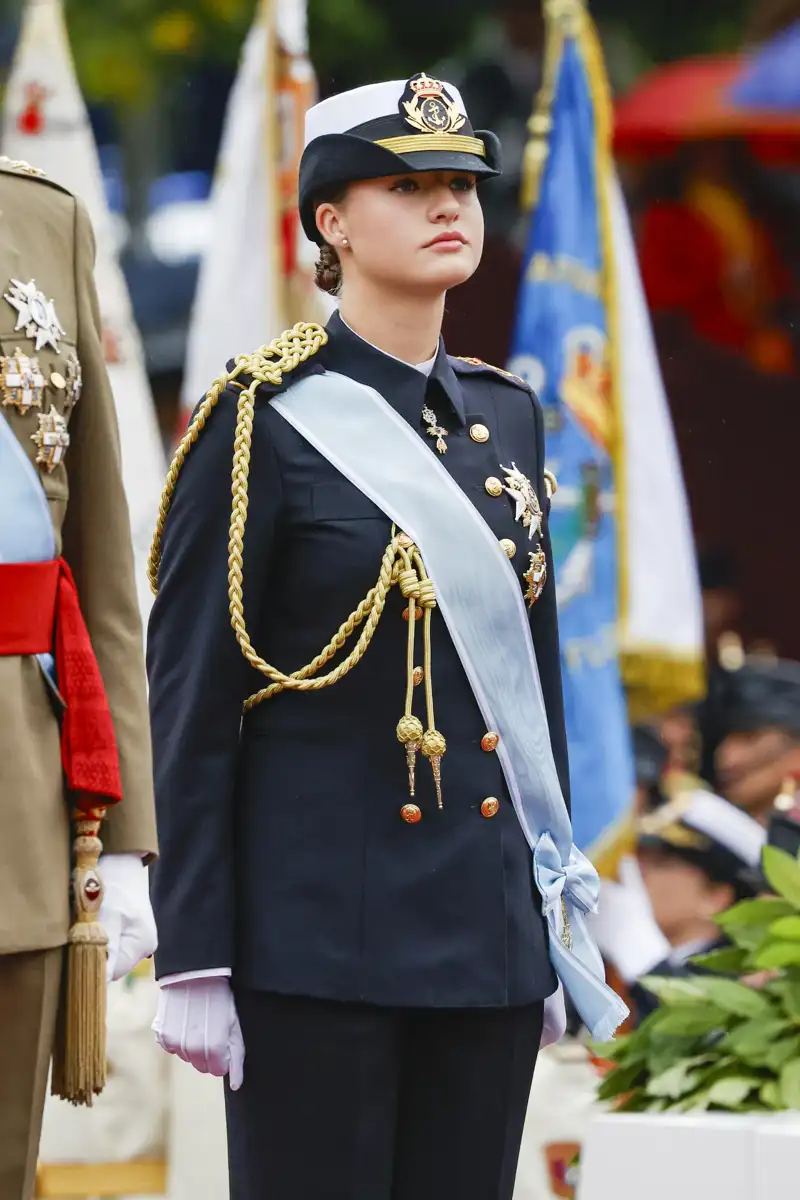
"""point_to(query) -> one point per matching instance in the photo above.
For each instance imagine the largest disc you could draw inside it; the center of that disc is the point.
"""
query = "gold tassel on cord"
(79, 1057)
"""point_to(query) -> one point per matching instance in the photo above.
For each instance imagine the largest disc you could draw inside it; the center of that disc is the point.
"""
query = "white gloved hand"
(198, 1022)
(555, 1018)
(126, 913)
(624, 926)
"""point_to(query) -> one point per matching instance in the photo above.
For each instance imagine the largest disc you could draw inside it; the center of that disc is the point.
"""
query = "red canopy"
(691, 99)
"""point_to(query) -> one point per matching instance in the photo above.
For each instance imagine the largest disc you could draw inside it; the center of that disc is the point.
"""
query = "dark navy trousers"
(347, 1101)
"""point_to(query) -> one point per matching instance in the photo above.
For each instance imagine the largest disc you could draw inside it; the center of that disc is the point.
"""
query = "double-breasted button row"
(412, 813)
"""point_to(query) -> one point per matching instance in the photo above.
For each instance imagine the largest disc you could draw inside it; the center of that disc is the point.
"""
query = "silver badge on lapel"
(36, 314)
(520, 489)
(52, 439)
(21, 381)
(535, 576)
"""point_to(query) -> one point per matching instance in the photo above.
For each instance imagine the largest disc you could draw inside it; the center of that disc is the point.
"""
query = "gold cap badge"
(429, 108)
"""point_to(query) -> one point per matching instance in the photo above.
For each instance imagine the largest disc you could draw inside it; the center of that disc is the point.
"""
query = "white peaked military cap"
(391, 128)
(711, 832)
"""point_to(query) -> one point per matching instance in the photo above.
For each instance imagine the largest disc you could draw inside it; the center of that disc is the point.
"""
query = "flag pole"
(271, 148)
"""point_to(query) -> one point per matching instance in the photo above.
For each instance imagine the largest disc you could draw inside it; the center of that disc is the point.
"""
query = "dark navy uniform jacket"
(283, 854)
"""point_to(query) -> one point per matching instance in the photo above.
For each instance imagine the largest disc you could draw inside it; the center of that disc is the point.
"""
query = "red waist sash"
(40, 614)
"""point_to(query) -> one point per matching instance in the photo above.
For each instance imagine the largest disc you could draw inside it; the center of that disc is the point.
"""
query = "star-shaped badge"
(37, 315)
(520, 489)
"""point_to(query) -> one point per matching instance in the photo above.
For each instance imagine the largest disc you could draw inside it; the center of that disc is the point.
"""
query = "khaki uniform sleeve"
(97, 546)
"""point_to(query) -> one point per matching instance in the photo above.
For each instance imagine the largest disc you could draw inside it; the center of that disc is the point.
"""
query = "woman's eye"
(463, 184)
(405, 185)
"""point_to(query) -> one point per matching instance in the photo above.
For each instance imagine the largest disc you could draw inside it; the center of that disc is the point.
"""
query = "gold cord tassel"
(433, 742)
(409, 727)
(79, 1058)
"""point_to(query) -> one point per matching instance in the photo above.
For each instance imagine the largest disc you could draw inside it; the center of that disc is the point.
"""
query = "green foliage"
(715, 1043)
(124, 49)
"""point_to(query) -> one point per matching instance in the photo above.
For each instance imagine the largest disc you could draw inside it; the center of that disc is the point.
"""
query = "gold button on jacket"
(490, 741)
(509, 546)
(493, 486)
(411, 813)
(479, 433)
(489, 807)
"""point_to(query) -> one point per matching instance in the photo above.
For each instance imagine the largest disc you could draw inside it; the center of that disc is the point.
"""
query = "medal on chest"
(52, 439)
(21, 381)
(527, 507)
(35, 314)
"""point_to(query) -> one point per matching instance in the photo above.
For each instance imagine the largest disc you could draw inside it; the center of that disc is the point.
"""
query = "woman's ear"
(329, 223)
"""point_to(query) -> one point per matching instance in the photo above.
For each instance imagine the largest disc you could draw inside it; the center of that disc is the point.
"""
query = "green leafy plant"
(715, 1043)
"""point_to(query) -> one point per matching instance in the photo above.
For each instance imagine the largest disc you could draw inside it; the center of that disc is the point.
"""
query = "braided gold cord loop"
(401, 565)
(267, 365)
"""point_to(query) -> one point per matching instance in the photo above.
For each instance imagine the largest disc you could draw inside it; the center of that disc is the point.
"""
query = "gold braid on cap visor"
(414, 142)
(401, 566)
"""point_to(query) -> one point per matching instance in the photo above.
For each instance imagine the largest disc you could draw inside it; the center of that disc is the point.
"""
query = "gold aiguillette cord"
(416, 586)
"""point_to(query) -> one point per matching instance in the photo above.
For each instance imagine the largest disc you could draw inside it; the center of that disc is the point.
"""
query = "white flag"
(248, 287)
(662, 626)
(46, 123)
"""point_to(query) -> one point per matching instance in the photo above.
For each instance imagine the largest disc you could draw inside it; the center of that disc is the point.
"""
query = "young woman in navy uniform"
(349, 926)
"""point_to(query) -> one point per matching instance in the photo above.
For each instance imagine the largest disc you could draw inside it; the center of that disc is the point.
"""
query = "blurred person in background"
(73, 708)
(695, 857)
(757, 712)
(706, 251)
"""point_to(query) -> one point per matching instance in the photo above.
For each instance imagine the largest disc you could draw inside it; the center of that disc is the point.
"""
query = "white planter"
(690, 1157)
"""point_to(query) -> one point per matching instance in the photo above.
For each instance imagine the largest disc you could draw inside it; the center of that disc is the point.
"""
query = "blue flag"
(562, 346)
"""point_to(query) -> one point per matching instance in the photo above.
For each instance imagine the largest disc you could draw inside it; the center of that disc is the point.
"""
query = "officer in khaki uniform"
(59, 451)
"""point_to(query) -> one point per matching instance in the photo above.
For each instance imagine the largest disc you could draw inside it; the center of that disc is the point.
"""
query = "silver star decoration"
(520, 489)
(37, 316)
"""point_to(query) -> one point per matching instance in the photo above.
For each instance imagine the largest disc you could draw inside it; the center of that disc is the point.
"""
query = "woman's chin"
(443, 275)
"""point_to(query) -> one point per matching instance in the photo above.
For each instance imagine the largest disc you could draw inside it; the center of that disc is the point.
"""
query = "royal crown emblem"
(428, 107)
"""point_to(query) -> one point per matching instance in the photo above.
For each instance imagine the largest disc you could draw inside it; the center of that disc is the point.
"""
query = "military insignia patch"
(535, 576)
(428, 107)
(528, 509)
(52, 439)
(21, 381)
(36, 315)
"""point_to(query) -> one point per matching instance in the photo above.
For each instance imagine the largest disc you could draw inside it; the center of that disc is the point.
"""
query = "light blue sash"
(26, 527)
(481, 602)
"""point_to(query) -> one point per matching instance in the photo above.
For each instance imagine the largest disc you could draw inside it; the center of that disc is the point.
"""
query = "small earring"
(345, 242)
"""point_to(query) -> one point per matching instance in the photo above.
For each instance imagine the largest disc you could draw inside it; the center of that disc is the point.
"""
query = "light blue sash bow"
(480, 599)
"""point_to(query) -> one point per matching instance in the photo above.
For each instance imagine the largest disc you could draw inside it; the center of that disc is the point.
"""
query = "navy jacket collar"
(402, 385)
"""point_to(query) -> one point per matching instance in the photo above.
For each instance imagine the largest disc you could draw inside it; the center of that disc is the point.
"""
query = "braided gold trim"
(434, 141)
(268, 365)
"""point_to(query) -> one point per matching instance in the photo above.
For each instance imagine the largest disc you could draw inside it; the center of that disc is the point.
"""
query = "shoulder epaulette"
(478, 362)
(18, 166)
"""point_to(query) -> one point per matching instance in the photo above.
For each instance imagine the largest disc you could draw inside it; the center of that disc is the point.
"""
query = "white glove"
(624, 926)
(198, 1022)
(555, 1018)
(126, 913)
